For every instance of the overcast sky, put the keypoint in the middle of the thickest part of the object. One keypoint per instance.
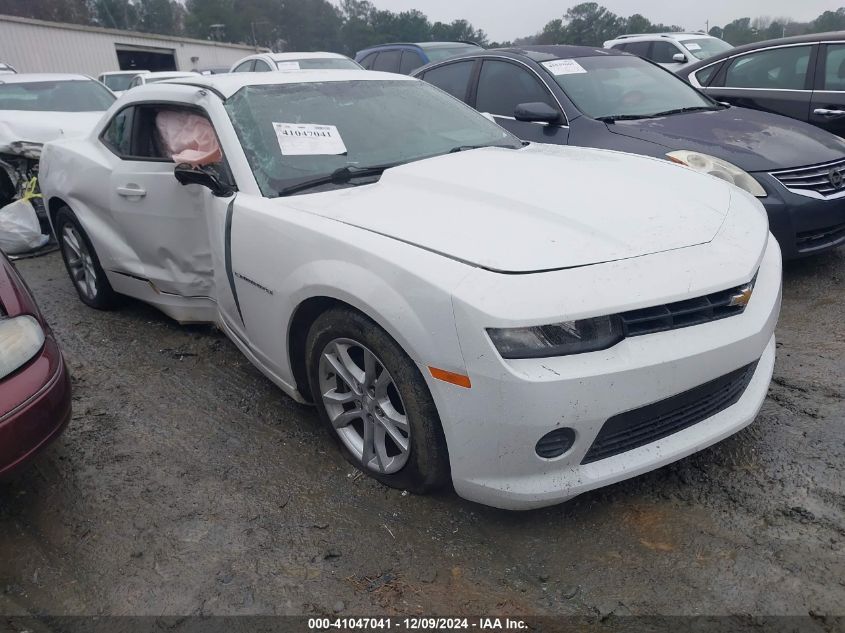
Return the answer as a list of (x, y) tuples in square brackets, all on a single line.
[(508, 19)]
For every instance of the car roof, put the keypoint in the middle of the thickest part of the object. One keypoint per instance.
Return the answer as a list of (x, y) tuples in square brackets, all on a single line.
[(281, 57), (540, 52), (170, 73), (443, 44), (672, 35), (834, 36), (228, 84), (421, 45), (124, 72), (33, 77)]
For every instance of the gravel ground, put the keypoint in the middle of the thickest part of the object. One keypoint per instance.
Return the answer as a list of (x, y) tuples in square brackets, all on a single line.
[(187, 483)]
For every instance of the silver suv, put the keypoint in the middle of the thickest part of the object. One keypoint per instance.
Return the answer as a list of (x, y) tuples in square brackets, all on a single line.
[(674, 51)]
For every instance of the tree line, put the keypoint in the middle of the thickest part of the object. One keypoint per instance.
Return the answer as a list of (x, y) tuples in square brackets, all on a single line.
[(590, 24), (355, 24)]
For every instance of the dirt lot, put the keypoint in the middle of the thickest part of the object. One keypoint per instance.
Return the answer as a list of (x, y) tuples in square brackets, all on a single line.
[(187, 484)]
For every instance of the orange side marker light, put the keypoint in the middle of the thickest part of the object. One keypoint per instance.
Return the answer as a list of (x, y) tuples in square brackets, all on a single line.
[(451, 377)]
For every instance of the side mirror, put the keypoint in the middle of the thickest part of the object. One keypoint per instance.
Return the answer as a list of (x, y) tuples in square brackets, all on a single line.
[(203, 176), (680, 58), (536, 113)]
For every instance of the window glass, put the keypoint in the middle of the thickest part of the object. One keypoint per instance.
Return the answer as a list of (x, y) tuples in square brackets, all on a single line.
[(261, 67), (388, 61), (411, 60), (118, 134), (503, 86), (84, 95), (775, 69), (638, 48), (706, 47), (245, 67), (834, 76), (704, 75), (368, 61), (453, 78), (118, 82), (438, 53), (663, 52), (380, 123), (625, 86)]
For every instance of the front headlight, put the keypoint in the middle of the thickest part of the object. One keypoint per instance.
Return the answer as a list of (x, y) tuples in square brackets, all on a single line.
[(558, 339), (20, 340), (719, 168)]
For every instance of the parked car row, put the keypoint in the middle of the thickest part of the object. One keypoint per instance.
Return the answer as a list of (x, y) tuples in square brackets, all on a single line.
[(506, 306), (591, 97)]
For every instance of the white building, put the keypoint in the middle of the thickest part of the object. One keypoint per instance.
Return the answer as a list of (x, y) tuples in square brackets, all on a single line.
[(40, 46)]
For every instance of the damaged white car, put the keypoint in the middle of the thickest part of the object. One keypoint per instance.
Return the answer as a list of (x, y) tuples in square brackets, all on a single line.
[(527, 322), (36, 108)]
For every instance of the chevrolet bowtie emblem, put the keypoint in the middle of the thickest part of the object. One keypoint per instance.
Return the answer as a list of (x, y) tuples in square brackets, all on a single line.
[(742, 297)]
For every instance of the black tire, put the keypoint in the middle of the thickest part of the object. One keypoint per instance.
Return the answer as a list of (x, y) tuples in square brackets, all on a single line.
[(427, 466), (103, 296)]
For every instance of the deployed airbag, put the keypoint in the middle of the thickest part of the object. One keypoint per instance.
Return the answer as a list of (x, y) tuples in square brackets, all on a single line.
[(188, 138)]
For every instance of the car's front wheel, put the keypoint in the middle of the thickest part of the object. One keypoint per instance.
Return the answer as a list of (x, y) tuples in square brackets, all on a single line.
[(82, 263), (372, 397)]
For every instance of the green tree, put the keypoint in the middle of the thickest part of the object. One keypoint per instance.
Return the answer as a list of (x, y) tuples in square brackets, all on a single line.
[(830, 21), (739, 32), (116, 14), (160, 16), (589, 24), (553, 33)]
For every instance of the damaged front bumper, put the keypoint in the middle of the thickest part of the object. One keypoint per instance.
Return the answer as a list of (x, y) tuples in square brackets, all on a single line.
[(19, 176)]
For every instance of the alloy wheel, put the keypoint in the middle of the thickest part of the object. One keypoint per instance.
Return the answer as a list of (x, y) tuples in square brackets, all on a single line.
[(364, 406), (79, 262)]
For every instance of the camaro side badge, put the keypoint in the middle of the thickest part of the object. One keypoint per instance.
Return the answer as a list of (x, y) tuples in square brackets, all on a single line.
[(254, 283), (743, 297)]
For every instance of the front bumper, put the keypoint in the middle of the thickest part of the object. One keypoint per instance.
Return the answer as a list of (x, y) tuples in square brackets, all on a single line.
[(37, 407), (493, 427), (803, 226)]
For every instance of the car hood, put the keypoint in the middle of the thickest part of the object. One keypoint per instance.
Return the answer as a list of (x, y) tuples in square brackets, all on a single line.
[(18, 126), (751, 140), (539, 208)]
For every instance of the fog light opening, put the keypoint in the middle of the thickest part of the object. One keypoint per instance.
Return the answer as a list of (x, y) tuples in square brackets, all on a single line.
[(555, 443)]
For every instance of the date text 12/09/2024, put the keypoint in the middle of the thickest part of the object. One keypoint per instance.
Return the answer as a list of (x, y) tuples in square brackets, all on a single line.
[(416, 624)]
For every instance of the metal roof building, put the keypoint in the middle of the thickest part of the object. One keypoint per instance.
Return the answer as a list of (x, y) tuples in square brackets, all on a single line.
[(39, 46)]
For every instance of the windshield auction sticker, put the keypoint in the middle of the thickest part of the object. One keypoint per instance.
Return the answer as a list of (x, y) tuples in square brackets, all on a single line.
[(308, 139), (564, 67), (287, 65), (692, 46)]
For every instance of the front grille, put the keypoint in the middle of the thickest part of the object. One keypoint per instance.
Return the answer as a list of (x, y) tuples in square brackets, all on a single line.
[(818, 181), (630, 430), (819, 238), (673, 316)]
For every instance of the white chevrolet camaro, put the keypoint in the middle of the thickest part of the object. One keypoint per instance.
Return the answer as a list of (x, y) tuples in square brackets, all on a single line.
[(527, 322)]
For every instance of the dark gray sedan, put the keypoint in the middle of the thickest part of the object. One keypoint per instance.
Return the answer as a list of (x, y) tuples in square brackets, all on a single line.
[(570, 95), (800, 77)]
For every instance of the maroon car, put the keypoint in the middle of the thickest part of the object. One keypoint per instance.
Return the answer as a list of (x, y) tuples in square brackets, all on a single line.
[(34, 382)]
